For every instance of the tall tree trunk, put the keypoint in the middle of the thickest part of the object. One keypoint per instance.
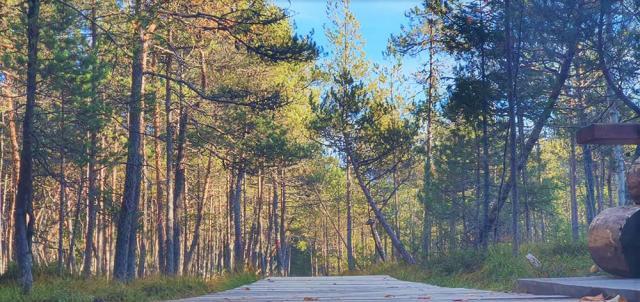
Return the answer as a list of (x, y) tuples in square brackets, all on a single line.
[(426, 187), (574, 201), (170, 252), (486, 172), (238, 252), (3, 195), (24, 218), (513, 143), (161, 251), (351, 264), (15, 173), (589, 183), (453, 213), (126, 227), (179, 194), (283, 226), (274, 219), (93, 171), (63, 194)]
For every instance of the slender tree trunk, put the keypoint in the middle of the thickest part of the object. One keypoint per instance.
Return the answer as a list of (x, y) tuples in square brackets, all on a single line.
[(618, 159), (513, 143), (599, 197), (3, 195), (75, 230), (426, 188), (574, 201), (161, 251), (275, 220), (376, 240), (406, 257), (199, 208), (63, 196), (179, 195), (15, 164), (524, 175), (351, 264), (237, 221), (283, 226), (126, 227), (486, 173), (453, 212), (609, 188), (24, 218), (171, 261), (589, 183), (93, 171)]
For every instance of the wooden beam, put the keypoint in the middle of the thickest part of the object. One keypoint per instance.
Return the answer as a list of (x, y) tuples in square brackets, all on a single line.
[(609, 134)]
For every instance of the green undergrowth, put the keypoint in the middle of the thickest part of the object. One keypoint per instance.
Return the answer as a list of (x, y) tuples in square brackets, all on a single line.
[(50, 287), (495, 269)]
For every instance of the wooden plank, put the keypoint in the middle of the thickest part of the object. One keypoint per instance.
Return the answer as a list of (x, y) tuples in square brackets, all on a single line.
[(609, 134), (583, 286), (360, 288)]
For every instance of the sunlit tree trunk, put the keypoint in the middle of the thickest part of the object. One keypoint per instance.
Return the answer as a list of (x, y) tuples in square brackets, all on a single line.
[(15, 173), (126, 226)]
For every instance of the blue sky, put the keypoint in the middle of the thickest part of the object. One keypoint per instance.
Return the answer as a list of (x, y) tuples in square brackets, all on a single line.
[(378, 20)]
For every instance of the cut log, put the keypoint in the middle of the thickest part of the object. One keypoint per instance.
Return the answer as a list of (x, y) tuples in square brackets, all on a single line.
[(613, 241)]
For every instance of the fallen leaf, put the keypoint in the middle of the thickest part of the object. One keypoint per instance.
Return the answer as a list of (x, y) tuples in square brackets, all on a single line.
[(617, 298), (424, 298), (598, 298), (246, 288), (310, 299), (460, 300), (388, 296)]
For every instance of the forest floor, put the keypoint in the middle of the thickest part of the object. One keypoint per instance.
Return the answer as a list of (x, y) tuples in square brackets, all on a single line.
[(497, 269), (49, 287)]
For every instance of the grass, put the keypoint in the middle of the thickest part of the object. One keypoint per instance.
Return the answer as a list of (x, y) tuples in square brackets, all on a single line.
[(48, 287), (497, 269)]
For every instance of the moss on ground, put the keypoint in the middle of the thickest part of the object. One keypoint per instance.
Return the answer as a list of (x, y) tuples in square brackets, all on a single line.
[(495, 269)]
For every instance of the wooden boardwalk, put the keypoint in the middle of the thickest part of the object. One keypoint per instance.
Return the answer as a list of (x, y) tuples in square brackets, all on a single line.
[(360, 288)]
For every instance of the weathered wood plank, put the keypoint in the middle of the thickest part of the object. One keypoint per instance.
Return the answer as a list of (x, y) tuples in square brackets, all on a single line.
[(609, 134), (360, 288)]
